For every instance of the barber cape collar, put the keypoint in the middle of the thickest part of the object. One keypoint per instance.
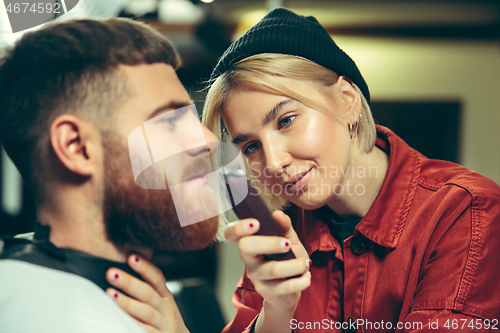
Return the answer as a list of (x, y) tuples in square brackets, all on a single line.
[(42, 252)]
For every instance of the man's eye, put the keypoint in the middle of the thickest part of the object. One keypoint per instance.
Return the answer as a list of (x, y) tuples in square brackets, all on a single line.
[(173, 116), (251, 148), (286, 121), (169, 120)]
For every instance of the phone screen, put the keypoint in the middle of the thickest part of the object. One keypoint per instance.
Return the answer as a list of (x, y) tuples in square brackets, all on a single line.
[(252, 206)]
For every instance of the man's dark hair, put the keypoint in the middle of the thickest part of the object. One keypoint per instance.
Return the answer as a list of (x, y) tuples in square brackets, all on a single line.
[(68, 67)]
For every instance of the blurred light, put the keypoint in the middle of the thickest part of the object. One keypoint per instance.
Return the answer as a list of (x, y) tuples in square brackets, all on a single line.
[(141, 7), (272, 4), (383, 13), (12, 187), (179, 11), (95, 9), (175, 287), (402, 13), (207, 1), (248, 20)]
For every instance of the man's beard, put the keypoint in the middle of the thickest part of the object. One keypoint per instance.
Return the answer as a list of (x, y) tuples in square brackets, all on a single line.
[(146, 218)]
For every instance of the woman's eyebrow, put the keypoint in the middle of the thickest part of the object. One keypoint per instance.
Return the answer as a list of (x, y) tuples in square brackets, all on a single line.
[(240, 138), (271, 115)]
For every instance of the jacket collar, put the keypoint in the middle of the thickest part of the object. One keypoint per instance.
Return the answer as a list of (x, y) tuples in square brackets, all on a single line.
[(384, 222)]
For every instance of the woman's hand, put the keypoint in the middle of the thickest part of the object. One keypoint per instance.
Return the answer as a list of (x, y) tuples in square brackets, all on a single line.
[(270, 277), (154, 307)]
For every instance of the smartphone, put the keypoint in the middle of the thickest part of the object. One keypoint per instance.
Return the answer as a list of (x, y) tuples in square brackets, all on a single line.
[(252, 206)]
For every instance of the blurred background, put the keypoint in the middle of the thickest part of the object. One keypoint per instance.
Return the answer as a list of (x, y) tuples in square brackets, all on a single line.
[(433, 69)]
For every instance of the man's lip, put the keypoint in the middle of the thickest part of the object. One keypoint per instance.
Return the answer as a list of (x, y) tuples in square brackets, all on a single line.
[(199, 178), (295, 178)]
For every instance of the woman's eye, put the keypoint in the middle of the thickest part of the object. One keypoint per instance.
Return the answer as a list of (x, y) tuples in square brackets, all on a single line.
[(286, 121), (251, 148)]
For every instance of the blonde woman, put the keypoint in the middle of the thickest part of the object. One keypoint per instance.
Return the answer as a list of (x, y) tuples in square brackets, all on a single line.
[(385, 239)]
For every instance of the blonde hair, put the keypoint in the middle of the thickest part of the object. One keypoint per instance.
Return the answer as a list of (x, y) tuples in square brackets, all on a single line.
[(265, 69)]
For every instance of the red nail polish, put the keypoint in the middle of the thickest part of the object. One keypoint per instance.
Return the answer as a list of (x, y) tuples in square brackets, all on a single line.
[(117, 276), (136, 259), (251, 225), (287, 244), (116, 295), (309, 263)]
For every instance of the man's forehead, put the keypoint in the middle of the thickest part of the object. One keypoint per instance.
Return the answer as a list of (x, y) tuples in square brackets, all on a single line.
[(153, 78), (152, 89)]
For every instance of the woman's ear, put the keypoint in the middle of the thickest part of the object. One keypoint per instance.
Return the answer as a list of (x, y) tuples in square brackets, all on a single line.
[(73, 141), (350, 96)]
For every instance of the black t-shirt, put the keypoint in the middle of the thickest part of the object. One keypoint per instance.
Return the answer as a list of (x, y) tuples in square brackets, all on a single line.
[(343, 230)]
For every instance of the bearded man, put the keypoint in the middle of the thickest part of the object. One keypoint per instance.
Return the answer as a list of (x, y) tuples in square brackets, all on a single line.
[(70, 96)]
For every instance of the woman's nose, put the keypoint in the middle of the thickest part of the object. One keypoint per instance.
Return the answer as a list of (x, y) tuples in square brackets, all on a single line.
[(210, 139), (277, 159)]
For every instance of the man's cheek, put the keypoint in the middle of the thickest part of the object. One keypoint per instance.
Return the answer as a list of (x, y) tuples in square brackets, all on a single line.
[(160, 138), (170, 150), (168, 135), (147, 174)]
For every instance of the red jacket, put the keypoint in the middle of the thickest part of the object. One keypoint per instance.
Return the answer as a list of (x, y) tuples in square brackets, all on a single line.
[(426, 257)]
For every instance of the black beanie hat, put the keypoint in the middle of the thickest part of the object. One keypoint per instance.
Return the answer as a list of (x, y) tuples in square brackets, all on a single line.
[(283, 31)]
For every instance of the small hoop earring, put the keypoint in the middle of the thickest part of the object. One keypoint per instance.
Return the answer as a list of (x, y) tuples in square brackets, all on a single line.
[(356, 123)]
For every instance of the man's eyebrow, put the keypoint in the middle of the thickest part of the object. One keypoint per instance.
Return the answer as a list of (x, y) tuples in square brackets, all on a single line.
[(172, 105), (270, 116)]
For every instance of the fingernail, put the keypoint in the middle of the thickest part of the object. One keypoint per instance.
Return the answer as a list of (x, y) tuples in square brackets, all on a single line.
[(136, 260), (249, 226), (285, 244), (116, 276), (308, 262), (309, 273), (113, 294)]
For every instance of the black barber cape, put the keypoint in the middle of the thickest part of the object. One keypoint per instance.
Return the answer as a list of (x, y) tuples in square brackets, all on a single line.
[(42, 252), (45, 289)]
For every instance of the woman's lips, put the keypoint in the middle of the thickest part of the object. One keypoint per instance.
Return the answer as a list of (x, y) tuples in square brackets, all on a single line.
[(299, 184)]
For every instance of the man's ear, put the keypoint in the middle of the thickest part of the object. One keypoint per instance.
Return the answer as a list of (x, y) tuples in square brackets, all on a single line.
[(351, 98), (73, 142)]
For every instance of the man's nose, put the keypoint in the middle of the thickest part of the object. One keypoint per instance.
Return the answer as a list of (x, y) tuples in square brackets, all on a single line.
[(209, 146)]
